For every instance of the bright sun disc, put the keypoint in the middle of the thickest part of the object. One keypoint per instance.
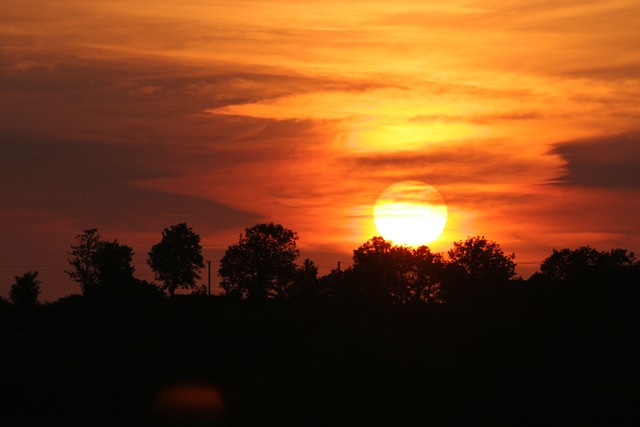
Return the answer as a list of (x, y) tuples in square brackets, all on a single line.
[(410, 213)]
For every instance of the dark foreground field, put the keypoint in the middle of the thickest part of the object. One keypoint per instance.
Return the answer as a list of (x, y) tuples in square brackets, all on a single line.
[(324, 363)]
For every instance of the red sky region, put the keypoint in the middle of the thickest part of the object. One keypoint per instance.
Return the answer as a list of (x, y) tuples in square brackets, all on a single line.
[(133, 116)]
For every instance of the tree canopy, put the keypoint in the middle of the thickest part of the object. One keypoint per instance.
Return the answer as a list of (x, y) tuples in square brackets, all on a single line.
[(114, 265), (85, 270), (399, 274), (104, 270), (482, 260), (177, 258), (25, 290), (262, 264), (100, 267), (306, 284), (587, 265)]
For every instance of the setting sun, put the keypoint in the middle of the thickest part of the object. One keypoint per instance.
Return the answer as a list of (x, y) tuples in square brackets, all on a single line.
[(410, 213)]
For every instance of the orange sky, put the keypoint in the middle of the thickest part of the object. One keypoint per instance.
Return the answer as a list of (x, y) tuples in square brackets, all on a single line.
[(130, 116)]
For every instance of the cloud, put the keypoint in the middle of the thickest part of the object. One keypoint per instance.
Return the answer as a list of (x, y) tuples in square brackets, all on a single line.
[(92, 185), (604, 162), (616, 70), (463, 163)]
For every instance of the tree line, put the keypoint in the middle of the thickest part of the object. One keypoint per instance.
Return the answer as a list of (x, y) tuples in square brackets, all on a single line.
[(263, 265)]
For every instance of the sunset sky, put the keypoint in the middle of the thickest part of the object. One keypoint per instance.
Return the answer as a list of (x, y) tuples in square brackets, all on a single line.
[(130, 116)]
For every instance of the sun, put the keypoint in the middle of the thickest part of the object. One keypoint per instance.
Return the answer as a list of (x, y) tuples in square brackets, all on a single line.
[(410, 213)]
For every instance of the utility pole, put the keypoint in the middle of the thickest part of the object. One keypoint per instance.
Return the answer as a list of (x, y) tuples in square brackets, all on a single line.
[(339, 265), (209, 276)]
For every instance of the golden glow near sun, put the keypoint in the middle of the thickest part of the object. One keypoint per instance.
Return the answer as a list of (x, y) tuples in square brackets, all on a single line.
[(410, 213)]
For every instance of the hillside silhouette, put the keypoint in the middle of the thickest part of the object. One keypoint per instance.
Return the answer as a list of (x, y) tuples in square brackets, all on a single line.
[(403, 337)]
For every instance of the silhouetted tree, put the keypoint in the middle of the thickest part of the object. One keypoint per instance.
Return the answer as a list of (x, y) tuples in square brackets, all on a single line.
[(380, 270), (105, 270), (333, 283), (429, 275), (569, 265), (177, 259), (25, 290), (84, 267), (587, 266), (262, 264), (398, 274), (305, 282), (482, 260), (201, 291), (113, 264)]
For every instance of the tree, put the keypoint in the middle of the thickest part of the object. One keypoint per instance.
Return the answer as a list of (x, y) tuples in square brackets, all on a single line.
[(429, 275), (334, 283), (587, 265), (177, 259), (569, 265), (398, 274), (24, 292), (380, 270), (113, 265), (482, 260), (105, 270), (586, 276), (306, 285), (262, 264), (84, 267)]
